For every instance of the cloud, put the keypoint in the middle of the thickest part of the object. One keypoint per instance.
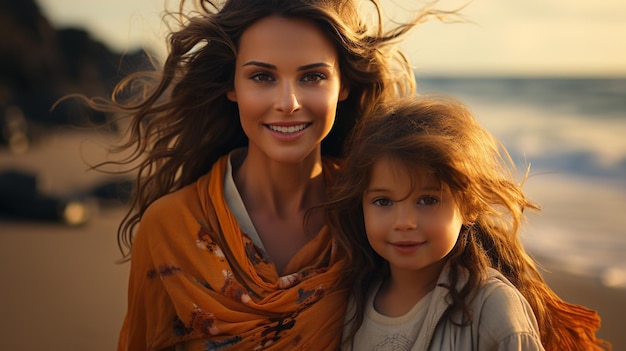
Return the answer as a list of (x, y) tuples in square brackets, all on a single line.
[(501, 37), (531, 36)]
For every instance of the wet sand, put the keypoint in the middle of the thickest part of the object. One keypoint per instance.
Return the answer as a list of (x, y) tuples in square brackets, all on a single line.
[(62, 288), (610, 303)]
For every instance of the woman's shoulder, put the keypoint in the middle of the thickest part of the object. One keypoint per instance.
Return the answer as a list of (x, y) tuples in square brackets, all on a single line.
[(172, 201), (176, 203), (191, 203), (171, 217)]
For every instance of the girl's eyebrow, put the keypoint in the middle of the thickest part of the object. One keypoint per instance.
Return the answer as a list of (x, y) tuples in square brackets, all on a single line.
[(375, 190), (301, 68), (424, 188)]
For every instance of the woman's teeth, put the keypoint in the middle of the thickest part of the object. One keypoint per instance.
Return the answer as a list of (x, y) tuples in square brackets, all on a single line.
[(288, 129)]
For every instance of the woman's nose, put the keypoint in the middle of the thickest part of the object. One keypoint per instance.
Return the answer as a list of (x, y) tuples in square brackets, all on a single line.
[(288, 101)]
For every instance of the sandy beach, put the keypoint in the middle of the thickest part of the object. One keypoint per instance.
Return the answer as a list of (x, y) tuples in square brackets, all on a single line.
[(62, 288), (610, 303)]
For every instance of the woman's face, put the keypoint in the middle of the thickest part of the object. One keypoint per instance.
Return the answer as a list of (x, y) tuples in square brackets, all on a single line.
[(287, 84)]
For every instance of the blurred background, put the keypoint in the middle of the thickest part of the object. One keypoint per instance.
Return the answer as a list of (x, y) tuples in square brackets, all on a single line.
[(547, 78)]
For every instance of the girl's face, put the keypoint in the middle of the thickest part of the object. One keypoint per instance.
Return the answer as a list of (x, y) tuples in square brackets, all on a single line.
[(287, 84), (411, 221)]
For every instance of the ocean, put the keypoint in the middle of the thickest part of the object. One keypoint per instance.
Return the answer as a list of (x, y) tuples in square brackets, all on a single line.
[(572, 133)]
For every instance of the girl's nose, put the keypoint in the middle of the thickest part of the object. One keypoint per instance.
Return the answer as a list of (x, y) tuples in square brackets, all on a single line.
[(288, 101), (405, 219)]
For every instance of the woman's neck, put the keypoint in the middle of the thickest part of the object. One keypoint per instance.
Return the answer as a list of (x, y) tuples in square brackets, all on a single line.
[(283, 188), (277, 197)]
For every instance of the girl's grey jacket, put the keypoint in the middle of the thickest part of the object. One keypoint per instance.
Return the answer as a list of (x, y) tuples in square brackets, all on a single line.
[(501, 320)]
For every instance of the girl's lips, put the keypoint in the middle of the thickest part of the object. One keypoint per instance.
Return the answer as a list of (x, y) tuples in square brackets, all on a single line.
[(407, 246)]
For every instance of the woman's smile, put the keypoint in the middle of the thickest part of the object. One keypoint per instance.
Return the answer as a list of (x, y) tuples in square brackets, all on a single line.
[(288, 129)]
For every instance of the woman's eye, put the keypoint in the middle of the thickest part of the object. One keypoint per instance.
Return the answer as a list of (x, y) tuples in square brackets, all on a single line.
[(382, 202), (427, 200), (262, 77), (313, 77)]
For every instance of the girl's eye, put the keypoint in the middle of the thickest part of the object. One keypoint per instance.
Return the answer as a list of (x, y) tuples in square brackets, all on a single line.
[(427, 201), (262, 77), (382, 202), (313, 77)]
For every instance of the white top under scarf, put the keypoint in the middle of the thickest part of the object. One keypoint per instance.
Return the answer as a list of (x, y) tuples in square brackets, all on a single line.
[(235, 203)]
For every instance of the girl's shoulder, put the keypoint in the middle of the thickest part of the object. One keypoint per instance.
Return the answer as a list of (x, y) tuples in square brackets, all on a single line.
[(498, 292), (504, 314)]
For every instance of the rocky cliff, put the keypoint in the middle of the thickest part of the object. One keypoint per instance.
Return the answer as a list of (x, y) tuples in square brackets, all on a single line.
[(40, 63)]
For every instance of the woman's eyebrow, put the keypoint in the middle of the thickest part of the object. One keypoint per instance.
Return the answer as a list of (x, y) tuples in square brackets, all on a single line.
[(313, 65), (273, 67), (260, 64)]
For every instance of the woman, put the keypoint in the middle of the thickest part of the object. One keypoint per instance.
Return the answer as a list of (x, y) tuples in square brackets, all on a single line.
[(236, 140)]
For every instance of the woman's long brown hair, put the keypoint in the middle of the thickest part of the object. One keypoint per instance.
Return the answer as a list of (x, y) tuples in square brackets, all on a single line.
[(180, 120)]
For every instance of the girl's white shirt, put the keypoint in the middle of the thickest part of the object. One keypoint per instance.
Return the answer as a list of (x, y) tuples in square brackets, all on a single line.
[(380, 332)]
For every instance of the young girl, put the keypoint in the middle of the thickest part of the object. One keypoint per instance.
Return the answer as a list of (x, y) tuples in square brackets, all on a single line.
[(235, 139), (428, 212)]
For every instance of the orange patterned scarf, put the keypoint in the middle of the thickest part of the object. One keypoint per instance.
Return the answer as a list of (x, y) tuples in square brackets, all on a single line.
[(198, 283)]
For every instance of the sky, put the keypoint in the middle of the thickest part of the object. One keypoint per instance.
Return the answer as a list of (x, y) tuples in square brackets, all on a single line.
[(510, 38)]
